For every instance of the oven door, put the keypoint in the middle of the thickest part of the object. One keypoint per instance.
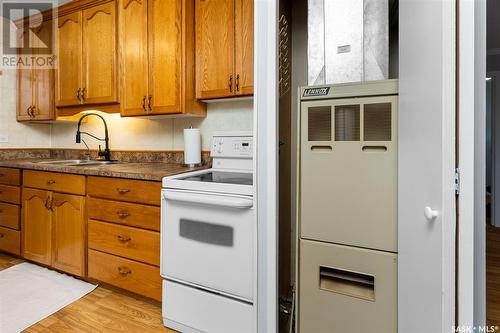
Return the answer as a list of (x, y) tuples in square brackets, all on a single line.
[(207, 240)]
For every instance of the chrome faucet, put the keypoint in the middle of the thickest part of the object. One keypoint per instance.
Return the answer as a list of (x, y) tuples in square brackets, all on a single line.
[(107, 152)]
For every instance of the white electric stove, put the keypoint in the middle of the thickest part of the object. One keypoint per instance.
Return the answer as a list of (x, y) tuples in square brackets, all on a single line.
[(209, 243)]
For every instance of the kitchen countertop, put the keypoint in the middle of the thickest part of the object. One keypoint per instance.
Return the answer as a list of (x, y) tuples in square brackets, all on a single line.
[(140, 171)]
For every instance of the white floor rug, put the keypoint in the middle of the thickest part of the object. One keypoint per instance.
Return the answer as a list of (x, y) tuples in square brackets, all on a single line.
[(29, 293)]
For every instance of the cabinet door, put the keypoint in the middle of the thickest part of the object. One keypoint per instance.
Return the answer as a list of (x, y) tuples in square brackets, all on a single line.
[(214, 48), (43, 80), (24, 83), (69, 233), (24, 93), (244, 47), (69, 71), (133, 30), (165, 55), (37, 226), (99, 54)]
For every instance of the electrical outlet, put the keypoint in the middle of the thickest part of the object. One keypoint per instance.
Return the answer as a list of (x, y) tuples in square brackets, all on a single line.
[(4, 138)]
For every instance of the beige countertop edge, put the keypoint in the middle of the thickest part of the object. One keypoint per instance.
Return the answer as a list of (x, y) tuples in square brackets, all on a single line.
[(139, 171)]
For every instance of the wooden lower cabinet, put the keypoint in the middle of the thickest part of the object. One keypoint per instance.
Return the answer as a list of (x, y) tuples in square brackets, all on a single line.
[(37, 226), (54, 230), (10, 240), (128, 274), (68, 215)]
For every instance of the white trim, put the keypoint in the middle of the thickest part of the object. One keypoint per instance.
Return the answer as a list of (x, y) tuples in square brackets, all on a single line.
[(465, 264), (471, 203), (266, 160)]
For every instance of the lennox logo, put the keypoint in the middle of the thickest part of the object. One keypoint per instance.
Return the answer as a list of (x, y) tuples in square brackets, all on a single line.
[(311, 92), (26, 43)]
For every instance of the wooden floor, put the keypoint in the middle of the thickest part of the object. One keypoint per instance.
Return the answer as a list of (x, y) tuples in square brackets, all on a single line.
[(493, 275), (103, 310)]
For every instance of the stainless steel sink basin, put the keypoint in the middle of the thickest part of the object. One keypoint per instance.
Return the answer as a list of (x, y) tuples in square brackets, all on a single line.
[(77, 162)]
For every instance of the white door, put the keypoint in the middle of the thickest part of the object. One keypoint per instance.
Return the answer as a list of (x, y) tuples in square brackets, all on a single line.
[(426, 270)]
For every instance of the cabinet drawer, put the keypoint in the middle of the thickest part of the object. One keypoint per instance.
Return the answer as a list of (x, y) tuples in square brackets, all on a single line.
[(10, 194), (133, 243), (136, 191), (9, 176), (9, 216), (147, 217), (139, 278), (10, 241), (58, 182)]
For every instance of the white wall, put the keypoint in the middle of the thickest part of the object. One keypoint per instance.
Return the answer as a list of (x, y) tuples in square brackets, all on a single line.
[(20, 135), (125, 133), (158, 134)]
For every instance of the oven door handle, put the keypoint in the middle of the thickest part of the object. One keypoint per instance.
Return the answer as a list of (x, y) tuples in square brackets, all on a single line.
[(208, 199)]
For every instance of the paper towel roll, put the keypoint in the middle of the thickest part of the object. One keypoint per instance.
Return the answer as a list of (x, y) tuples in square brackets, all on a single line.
[(192, 146)]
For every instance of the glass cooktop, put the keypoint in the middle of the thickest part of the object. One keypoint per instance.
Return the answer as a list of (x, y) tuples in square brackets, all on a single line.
[(238, 178)]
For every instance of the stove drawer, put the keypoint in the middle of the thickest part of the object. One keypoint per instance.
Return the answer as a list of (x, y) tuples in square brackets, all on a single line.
[(131, 275), (204, 311), (128, 242)]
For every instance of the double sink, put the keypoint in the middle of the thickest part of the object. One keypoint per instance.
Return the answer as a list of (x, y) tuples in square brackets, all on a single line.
[(78, 162)]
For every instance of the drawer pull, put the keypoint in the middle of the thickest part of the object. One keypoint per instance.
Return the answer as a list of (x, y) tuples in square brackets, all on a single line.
[(124, 271), (123, 190), (123, 239), (2, 175), (123, 215), (51, 182), (2, 236)]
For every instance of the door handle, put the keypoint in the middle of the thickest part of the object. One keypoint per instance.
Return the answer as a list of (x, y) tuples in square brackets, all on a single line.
[(78, 94), (237, 82), (144, 103), (231, 83), (83, 94), (430, 214), (208, 199)]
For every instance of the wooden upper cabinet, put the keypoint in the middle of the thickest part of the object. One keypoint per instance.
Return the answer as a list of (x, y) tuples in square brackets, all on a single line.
[(69, 71), (99, 54), (133, 36), (224, 48), (215, 26), (165, 55), (87, 55), (69, 233), (157, 58), (35, 94), (244, 46), (37, 226)]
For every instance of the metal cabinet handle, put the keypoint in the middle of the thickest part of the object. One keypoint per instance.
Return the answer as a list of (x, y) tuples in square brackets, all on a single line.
[(231, 83), (144, 103), (123, 190), (51, 182), (124, 271), (83, 94), (78, 94), (123, 239), (150, 107), (237, 82), (2, 236), (123, 215)]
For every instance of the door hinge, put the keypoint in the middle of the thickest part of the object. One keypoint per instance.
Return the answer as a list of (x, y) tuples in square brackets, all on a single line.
[(457, 181)]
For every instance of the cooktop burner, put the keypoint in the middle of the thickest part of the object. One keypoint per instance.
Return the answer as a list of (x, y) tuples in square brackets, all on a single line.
[(238, 178)]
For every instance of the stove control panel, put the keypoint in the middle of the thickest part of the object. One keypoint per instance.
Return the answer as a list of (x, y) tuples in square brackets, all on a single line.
[(232, 146)]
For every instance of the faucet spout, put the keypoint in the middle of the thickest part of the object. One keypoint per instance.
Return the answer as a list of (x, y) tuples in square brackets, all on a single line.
[(107, 152)]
